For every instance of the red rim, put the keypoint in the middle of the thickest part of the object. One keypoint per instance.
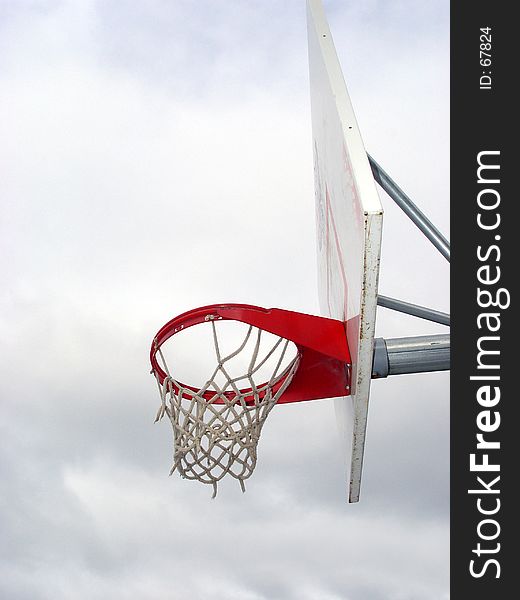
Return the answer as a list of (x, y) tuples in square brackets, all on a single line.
[(321, 345)]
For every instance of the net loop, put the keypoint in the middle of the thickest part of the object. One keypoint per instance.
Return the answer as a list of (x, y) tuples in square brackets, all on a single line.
[(216, 429)]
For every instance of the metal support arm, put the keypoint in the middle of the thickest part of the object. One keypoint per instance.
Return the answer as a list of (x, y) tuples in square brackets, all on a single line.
[(419, 354), (414, 309), (410, 209)]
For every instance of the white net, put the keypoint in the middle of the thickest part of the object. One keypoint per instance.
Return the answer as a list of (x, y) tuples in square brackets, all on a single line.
[(216, 428)]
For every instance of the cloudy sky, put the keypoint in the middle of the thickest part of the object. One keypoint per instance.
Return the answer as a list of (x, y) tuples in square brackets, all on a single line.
[(155, 157)]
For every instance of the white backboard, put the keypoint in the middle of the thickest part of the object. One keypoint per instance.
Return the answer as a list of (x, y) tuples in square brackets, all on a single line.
[(349, 219)]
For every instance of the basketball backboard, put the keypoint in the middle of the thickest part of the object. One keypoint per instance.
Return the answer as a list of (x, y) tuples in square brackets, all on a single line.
[(349, 219)]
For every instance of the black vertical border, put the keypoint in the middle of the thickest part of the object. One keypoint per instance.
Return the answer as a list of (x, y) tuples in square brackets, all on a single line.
[(482, 120)]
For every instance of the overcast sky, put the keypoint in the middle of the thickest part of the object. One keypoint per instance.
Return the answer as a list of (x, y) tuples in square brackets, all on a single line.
[(155, 157)]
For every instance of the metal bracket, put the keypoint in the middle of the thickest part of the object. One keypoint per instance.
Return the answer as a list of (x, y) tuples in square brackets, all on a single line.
[(420, 354)]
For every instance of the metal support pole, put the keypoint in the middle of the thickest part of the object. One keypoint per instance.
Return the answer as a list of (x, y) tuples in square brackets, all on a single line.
[(410, 209), (419, 354), (414, 309)]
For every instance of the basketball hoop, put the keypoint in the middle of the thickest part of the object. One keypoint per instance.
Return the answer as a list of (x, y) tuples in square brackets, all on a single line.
[(217, 426)]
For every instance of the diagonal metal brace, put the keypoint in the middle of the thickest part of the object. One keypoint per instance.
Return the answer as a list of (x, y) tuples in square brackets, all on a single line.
[(410, 209), (414, 309)]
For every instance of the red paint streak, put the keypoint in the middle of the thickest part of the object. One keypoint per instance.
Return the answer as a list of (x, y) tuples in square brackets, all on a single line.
[(330, 218)]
